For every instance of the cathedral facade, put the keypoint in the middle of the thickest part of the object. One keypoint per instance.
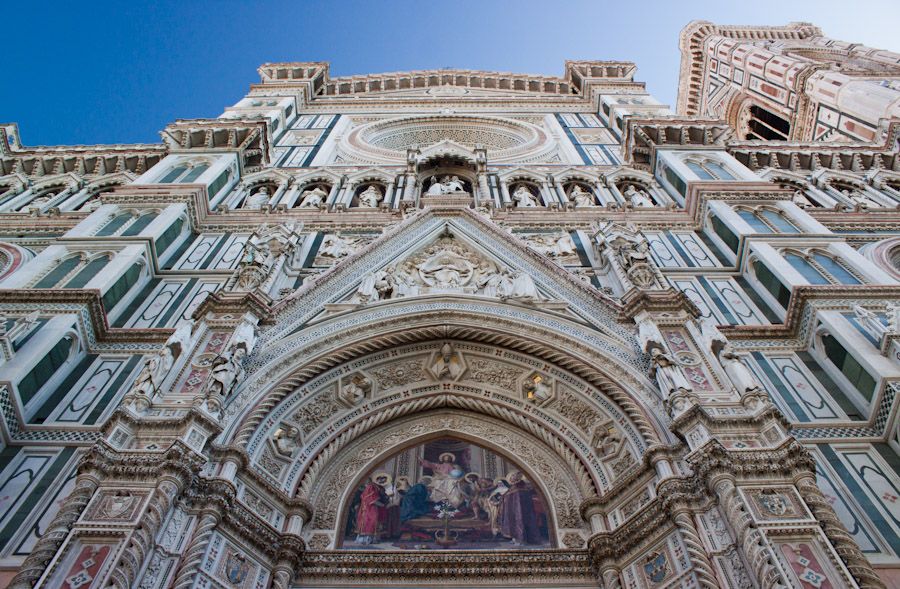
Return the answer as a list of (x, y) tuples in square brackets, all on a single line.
[(469, 329)]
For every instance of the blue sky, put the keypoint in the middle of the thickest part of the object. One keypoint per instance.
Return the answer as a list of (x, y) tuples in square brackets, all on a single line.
[(111, 72)]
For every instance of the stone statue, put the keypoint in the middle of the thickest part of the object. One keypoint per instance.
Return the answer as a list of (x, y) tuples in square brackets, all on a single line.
[(286, 440), (226, 371), (404, 286), (524, 198), (555, 245), (453, 184), (869, 321), (435, 188), (637, 198), (258, 200), (668, 373), (740, 376), (649, 335), (157, 366), (335, 246), (370, 197), (244, 335), (254, 267), (314, 198), (581, 197), (375, 286), (713, 340), (446, 269), (519, 286)]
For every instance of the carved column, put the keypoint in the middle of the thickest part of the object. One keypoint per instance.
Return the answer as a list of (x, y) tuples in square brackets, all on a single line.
[(36, 562), (143, 538), (837, 534), (196, 548), (703, 568), (750, 538)]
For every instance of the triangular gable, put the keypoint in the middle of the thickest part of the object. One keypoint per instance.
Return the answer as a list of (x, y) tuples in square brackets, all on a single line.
[(338, 284)]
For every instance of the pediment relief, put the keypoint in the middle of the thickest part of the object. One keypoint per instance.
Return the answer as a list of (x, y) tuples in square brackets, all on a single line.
[(449, 265)]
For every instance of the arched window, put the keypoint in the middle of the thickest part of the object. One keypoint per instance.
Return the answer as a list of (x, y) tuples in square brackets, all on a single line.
[(709, 170), (771, 283), (719, 171), (700, 171), (809, 272), (836, 271), (173, 174), (777, 221), (114, 225), (184, 173), (90, 270), (54, 276), (766, 125), (755, 222), (139, 224)]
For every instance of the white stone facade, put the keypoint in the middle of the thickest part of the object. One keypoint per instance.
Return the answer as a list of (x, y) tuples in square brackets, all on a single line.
[(608, 345)]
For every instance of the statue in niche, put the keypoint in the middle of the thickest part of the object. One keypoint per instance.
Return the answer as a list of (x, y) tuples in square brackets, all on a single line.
[(740, 376), (581, 198), (157, 366), (801, 201), (453, 184), (226, 371), (668, 374), (524, 197), (435, 188), (370, 197), (258, 200), (286, 440), (605, 439), (637, 197), (870, 322), (313, 199), (447, 363)]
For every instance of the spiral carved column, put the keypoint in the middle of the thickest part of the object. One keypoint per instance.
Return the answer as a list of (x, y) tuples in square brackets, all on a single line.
[(750, 538), (143, 538), (36, 563), (837, 534), (193, 555), (706, 575)]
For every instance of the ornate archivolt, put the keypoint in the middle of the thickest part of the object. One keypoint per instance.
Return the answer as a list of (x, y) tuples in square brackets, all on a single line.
[(589, 432), (388, 324), (506, 140)]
